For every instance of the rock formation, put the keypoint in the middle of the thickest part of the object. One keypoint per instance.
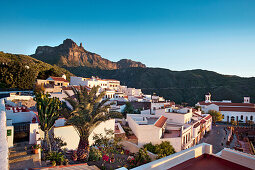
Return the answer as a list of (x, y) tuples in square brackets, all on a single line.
[(69, 54)]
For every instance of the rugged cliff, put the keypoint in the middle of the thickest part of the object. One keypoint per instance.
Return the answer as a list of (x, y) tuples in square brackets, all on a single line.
[(69, 54)]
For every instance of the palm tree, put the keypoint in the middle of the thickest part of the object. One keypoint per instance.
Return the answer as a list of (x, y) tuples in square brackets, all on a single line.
[(48, 113), (87, 111)]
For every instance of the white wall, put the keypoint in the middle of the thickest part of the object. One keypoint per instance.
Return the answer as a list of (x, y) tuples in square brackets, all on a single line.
[(144, 133), (240, 158), (71, 137), (77, 81), (177, 158), (175, 142), (32, 134), (237, 114), (3, 138), (17, 97)]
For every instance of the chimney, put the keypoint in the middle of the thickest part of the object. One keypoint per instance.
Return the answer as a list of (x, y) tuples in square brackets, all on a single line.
[(246, 99), (81, 45)]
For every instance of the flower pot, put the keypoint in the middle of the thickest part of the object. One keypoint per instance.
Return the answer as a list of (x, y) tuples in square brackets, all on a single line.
[(36, 151)]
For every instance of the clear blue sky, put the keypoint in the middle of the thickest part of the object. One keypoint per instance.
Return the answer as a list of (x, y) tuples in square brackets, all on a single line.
[(217, 35)]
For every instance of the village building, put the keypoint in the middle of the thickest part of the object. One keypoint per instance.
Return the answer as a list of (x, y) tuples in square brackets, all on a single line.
[(183, 128), (241, 112), (53, 84)]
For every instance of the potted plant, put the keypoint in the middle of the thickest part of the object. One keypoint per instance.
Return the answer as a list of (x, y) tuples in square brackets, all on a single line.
[(36, 148)]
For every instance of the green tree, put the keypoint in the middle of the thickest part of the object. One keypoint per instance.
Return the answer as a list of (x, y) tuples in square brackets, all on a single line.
[(129, 109), (48, 113), (87, 111), (216, 116)]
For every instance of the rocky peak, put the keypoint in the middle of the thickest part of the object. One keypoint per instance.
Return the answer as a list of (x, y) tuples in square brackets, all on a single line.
[(68, 43), (71, 55)]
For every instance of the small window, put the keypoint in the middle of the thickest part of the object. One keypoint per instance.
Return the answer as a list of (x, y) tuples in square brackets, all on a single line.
[(241, 117), (251, 118)]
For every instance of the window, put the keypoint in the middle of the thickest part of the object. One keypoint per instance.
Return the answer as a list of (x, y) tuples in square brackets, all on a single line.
[(223, 116), (251, 118), (241, 117)]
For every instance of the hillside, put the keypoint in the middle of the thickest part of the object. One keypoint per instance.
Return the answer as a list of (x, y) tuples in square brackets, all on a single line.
[(181, 86), (20, 71), (71, 55)]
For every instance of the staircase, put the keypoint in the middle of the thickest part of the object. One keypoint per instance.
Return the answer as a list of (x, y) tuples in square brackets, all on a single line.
[(21, 157)]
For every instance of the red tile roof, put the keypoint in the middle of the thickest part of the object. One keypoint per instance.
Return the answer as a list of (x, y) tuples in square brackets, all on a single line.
[(208, 117), (202, 121), (237, 109), (59, 79), (161, 121), (229, 104), (196, 125)]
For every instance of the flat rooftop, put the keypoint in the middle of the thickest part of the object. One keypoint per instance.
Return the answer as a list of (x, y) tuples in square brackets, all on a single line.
[(208, 162)]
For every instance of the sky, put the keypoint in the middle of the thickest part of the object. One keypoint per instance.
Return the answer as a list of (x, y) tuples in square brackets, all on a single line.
[(216, 35)]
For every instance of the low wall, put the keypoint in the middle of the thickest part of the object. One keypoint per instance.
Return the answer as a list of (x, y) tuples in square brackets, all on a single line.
[(3, 138), (177, 158), (240, 158), (19, 97), (134, 149)]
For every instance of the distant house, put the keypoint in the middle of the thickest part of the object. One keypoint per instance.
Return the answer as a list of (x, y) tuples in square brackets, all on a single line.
[(241, 112), (53, 84)]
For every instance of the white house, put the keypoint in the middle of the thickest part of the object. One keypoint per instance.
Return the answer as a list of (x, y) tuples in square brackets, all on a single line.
[(241, 112), (69, 134), (183, 128)]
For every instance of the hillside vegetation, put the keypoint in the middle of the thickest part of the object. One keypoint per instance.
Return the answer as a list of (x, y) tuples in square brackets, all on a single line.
[(181, 86), (20, 71)]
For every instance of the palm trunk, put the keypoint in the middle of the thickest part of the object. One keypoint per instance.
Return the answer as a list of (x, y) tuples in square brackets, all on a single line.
[(46, 137), (83, 149)]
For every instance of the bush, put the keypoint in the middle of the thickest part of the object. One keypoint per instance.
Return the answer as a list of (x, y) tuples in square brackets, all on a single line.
[(162, 150), (58, 157), (94, 154), (150, 147), (142, 157)]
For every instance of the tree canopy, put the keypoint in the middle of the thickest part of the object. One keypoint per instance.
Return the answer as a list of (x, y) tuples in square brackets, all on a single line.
[(216, 116)]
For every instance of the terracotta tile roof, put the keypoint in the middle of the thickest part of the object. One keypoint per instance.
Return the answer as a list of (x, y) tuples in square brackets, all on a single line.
[(161, 121), (196, 125), (202, 121), (237, 109), (197, 114), (59, 79), (229, 104), (208, 117)]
